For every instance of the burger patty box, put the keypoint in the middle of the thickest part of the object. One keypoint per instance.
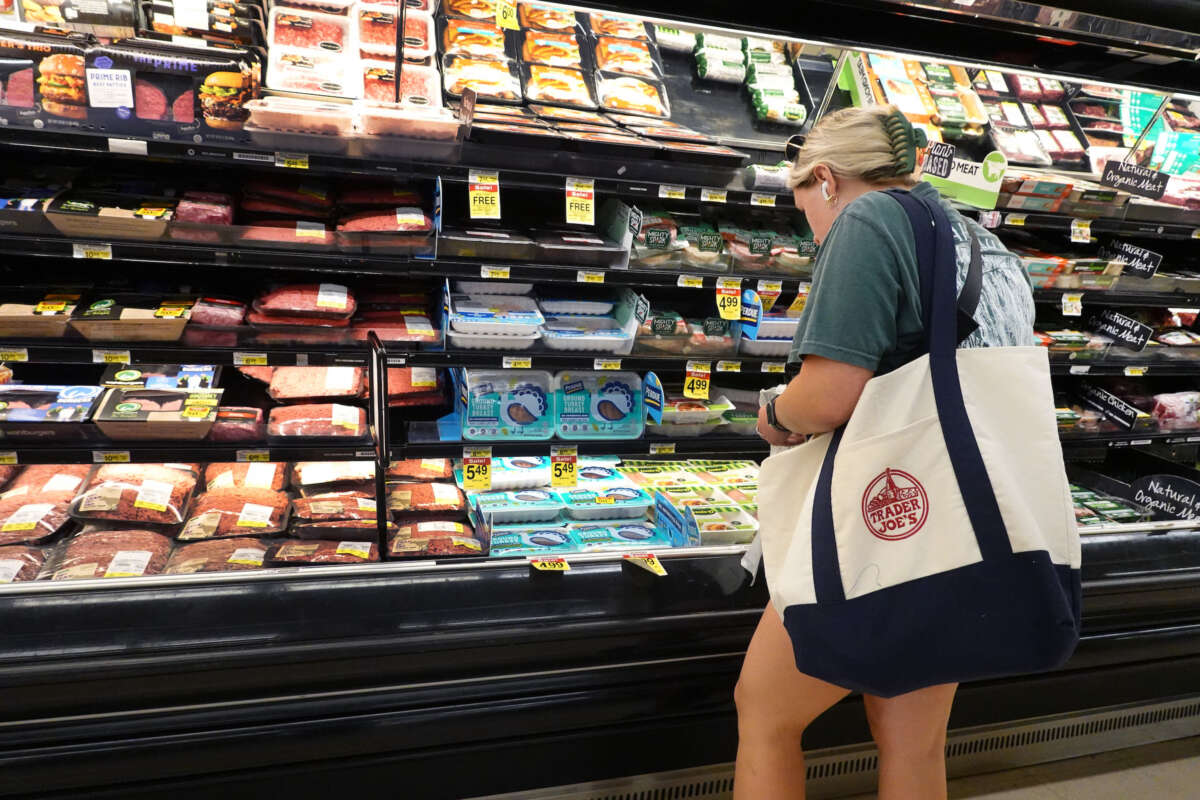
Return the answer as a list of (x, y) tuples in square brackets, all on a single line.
[(131, 317), (193, 93), (99, 215), (133, 414), (48, 413), (108, 19), (36, 313), (161, 376), (42, 81)]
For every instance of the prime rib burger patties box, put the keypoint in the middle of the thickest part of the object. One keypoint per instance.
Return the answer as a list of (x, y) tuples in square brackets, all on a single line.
[(42, 81), (193, 93)]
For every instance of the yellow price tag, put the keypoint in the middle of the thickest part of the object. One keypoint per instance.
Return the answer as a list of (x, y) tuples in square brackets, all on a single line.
[(292, 160), (662, 448), (666, 192), (110, 457), (1014, 220), (50, 308), (506, 14), (477, 468), (647, 561), (583, 276), (714, 196), (102, 252), (196, 412), (764, 200), (483, 191), (253, 456), (1072, 305), (111, 357), (768, 293), (800, 300), (8, 458), (494, 273), (581, 201), (600, 364), (514, 362), (774, 366), (250, 359), (1136, 372), (729, 366), (1196, 233), (16, 354), (170, 312), (690, 282), (550, 564), (1081, 231), (696, 381), (729, 298), (564, 460)]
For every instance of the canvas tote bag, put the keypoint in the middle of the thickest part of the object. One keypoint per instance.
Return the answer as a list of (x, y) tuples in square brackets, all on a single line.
[(931, 539)]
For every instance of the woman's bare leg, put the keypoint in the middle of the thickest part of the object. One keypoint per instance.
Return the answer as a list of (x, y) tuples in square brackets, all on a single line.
[(775, 703), (910, 730)]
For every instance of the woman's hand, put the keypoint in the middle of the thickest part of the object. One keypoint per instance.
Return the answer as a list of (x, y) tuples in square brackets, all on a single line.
[(775, 436)]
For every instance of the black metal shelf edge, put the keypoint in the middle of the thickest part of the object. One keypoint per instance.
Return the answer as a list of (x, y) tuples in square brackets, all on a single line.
[(1118, 297), (718, 446), (1077, 441), (1019, 220), (72, 352), (564, 273), (101, 452), (1125, 368), (492, 359)]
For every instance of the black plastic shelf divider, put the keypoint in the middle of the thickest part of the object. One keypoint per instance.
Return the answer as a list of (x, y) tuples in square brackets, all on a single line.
[(1111, 439), (491, 359), (1125, 368), (1061, 223), (58, 351), (105, 452), (1119, 297), (692, 447)]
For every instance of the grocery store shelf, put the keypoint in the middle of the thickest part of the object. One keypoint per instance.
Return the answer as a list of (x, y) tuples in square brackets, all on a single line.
[(556, 360), (683, 278), (58, 351), (1111, 439), (1061, 223), (1127, 368), (692, 447), (140, 452), (1119, 297)]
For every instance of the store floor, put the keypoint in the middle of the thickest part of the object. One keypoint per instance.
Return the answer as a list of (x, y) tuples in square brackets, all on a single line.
[(1164, 771)]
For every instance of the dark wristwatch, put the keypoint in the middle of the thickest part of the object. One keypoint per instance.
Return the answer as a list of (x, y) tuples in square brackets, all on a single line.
[(773, 420)]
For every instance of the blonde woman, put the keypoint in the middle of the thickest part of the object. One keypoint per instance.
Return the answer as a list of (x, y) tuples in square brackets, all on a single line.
[(863, 318)]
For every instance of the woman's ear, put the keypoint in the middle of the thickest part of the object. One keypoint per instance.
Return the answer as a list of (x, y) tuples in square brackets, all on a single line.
[(824, 175)]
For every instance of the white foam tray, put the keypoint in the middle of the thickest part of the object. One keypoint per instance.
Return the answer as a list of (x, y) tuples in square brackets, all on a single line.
[(492, 341), (560, 305), (492, 287), (517, 315), (765, 347), (777, 326)]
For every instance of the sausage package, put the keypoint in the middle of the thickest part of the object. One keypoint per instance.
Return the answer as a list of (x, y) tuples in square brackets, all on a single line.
[(558, 86), (630, 94), (145, 494)]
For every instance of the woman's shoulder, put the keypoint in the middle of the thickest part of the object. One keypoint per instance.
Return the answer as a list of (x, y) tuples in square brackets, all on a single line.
[(881, 212)]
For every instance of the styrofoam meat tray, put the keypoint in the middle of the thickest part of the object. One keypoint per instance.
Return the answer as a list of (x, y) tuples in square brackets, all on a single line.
[(673, 430), (526, 505), (579, 334), (492, 341), (680, 410), (777, 326), (614, 502), (511, 315), (563, 305), (766, 347), (492, 287)]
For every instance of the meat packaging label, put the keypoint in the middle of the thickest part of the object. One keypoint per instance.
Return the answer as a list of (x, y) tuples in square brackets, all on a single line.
[(366, 504), (104, 497), (110, 88), (62, 483), (223, 481), (444, 494), (128, 564), (26, 518), (76, 571), (9, 567), (423, 377), (322, 508), (360, 549), (332, 296), (254, 516), (251, 556), (261, 476), (154, 495), (201, 527), (340, 380), (345, 417)]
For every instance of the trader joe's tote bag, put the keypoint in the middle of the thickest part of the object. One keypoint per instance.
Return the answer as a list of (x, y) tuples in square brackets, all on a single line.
[(931, 539)]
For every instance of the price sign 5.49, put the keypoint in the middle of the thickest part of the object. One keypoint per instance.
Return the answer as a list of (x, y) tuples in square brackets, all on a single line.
[(563, 461), (477, 468)]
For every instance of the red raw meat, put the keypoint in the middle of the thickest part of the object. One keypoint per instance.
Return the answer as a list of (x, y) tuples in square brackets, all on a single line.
[(303, 299), (33, 522), (322, 552), (301, 192), (145, 493), (421, 84), (341, 530), (206, 208), (238, 424), (124, 553), (390, 220), (7, 473), (379, 196), (317, 419), (217, 312), (263, 374), (20, 563), (184, 108), (45, 483), (149, 102), (259, 318), (316, 383), (296, 29), (259, 205), (421, 468), (218, 555), (321, 509), (286, 232), (18, 91), (237, 511)]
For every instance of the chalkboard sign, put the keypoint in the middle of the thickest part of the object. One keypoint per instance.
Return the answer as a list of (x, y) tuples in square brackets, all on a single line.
[(1131, 178), (1112, 407), (939, 159), (1139, 261), (1167, 496), (1125, 330)]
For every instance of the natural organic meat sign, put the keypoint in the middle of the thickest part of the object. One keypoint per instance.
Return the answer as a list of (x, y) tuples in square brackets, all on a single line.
[(895, 505)]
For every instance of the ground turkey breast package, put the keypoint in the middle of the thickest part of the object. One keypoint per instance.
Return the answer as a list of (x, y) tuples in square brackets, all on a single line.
[(128, 553), (260, 475), (322, 552), (219, 555), (143, 493), (290, 384), (20, 563), (317, 420), (237, 511), (308, 300)]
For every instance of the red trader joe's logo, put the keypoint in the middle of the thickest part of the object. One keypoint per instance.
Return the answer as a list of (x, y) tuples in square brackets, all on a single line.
[(895, 505)]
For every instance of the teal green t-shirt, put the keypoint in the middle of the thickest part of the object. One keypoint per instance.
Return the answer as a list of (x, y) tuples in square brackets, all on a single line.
[(864, 307)]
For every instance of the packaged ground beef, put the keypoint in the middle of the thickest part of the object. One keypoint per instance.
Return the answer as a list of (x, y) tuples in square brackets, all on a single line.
[(7, 473), (237, 511), (34, 522), (296, 553), (238, 424), (317, 420), (328, 473), (434, 538), (325, 509), (425, 498), (19, 563), (218, 555), (415, 386), (291, 384), (260, 475), (364, 489), (304, 192), (152, 494), (44, 483), (365, 530), (308, 300), (293, 323), (219, 313), (121, 553), (421, 469)]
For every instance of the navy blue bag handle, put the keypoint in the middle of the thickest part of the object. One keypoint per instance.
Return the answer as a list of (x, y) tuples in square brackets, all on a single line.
[(937, 259)]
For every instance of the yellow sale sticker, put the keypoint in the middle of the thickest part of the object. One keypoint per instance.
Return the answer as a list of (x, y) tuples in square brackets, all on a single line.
[(696, 380), (647, 561), (550, 564), (506, 14), (581, 201), (564, 466), (477, 468), (483, 191)]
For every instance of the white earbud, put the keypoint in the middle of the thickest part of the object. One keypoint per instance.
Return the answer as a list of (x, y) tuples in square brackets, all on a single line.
[(825, 195)]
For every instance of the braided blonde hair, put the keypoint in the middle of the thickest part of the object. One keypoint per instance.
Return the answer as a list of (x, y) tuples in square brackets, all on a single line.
[(853, 143)]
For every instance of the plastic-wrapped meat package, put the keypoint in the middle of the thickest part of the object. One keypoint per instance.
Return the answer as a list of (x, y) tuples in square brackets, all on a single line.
[(425, 498), (257, 319), (414, 386), (388, 220), (329, 300), (630, 56), (237, 511), (396, 328), (421, 469), (553, 49), (1027, 88), (357, 489), (621, 27), (303, 233), (16, 89), (256, 475), (377, 32), (217, 555), (558, 85), (308, 30), (434, 538), (311, 72), (301, 192), (44, 483), (494, 80), (385, 195), (128, 553), (274, 207), (33, 523), (470, 9), (327, 509), (218, 313), (307, 552), (341, 529), (317, 420), (19, 563), (7, 473), (290, 384), (307, 474), (205, 208), (1177, 411), (419, 85), (472, 38), (141, 493), (238, 424), (262, 374), (631, 94)]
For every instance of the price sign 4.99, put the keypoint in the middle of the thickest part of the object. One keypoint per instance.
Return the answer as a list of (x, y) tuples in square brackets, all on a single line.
[(477, 468), (696, 381)]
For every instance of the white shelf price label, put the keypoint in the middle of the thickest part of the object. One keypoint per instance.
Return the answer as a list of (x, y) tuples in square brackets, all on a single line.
[(516, 362), (714, 196), (729, 298), (990, 219), (110, 456), (494, 273), (101, 252), (774, 366), (8, 458), (662, 449), (690, 282), (697, 379), (729, 366), (291, 160), (253, 456), (477, 468), (584, 276), (581, 201), (666, 192), (647, 561), (129, 147), (768, 293), (1136, 372), (250, 359), (483, 193), (14, 354), (1196, 233), (1072, 304), (563, 461), (1081, 231), (601, 364), (111, 357), (1015, 220), (762, 200), (1080, 369)]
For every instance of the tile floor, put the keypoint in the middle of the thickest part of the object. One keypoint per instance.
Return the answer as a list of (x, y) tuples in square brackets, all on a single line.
[(1165, 771)]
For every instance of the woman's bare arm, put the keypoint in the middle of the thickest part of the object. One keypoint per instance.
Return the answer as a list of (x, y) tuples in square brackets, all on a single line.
[(822, 396)]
